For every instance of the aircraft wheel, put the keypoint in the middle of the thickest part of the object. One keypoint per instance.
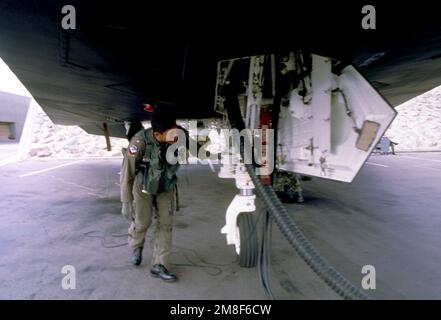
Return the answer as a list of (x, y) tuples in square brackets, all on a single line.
[(248, 240)]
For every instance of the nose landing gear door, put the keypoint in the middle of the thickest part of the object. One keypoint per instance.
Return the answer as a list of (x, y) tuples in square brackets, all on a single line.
[(331, 123)]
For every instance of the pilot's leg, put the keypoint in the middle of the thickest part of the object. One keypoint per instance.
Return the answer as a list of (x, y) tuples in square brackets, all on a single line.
[(163, 237), (142, 220)]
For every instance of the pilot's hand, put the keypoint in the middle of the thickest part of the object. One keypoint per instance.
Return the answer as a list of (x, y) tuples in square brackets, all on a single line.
[(127, 210)]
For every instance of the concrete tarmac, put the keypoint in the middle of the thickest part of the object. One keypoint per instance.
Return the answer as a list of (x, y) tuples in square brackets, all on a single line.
[(67, 212)]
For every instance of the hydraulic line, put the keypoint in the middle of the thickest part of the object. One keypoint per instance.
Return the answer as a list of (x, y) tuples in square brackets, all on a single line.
[(286, 224)]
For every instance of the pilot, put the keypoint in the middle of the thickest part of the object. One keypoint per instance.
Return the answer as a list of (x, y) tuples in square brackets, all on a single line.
[(148, 188)]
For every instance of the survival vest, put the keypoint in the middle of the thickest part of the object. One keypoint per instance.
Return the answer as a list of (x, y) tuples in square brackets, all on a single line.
[(159, 175)]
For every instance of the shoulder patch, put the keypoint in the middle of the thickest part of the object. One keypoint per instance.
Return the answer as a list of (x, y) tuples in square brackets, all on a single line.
[(133, 149)]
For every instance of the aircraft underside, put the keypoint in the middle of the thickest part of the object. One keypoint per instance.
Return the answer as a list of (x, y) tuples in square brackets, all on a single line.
[(325, 85), (120, 57)]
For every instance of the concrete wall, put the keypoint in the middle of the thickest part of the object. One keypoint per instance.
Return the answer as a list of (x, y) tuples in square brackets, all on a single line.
[(13, 110)]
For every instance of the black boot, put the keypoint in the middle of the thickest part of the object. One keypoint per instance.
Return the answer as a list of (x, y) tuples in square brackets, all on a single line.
[(159, 271), (137, 256)]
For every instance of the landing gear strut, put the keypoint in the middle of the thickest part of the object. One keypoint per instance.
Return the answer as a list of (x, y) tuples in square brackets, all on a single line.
[(240, 226)]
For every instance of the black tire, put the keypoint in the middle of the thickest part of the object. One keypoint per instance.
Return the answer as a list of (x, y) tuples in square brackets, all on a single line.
[(248, 240)]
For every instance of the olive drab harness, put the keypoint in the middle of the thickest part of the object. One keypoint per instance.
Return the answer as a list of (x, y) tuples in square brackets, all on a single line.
[(159, 175)]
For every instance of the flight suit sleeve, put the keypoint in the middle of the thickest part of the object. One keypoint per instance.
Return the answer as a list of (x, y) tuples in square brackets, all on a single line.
[(133, 155)]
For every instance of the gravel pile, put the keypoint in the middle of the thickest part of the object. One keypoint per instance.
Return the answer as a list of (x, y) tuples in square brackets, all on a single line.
[(55, 141), (417, 126)]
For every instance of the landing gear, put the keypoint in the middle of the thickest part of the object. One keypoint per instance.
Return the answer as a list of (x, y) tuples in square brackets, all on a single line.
[(240, 227), (248, 240)]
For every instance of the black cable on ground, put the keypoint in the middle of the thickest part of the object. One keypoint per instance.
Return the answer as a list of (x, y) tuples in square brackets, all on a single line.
[(105, 243), (211, 268), (265, 256)]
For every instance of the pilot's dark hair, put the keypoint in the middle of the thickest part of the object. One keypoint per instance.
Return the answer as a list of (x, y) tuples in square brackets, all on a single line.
[(163, 120), (135, 127)]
